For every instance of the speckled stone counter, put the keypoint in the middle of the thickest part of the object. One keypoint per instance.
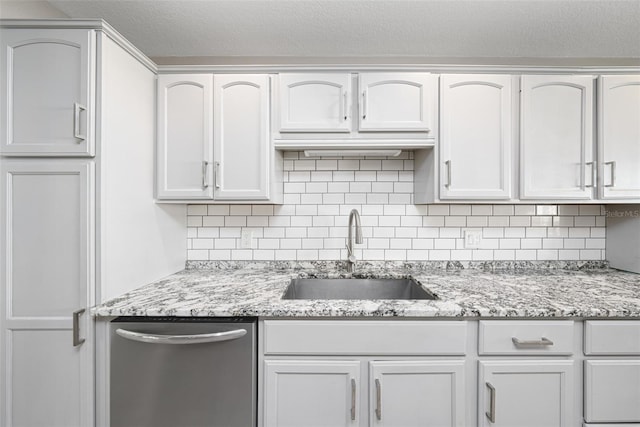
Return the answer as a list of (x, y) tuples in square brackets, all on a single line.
[(582, 290)]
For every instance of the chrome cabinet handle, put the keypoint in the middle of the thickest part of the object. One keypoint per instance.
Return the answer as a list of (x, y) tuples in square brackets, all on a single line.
[(492, 403), (353, 399), (345, 106), (364, 105), (613, 174), (448, 164), (593, 172), (181, 339), (217, 174), (205, 167), (77, 341), (378, 400), (542, 342), (76, 120)]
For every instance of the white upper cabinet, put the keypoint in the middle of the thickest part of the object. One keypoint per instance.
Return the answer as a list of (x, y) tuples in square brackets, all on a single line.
[(556, 150), (394, 102), (185, 137), (475, 136), (242, 149), (46, 92), (619, 138), (315, 102)]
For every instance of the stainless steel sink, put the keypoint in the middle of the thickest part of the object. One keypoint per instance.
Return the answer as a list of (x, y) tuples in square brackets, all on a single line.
[(363, 289)]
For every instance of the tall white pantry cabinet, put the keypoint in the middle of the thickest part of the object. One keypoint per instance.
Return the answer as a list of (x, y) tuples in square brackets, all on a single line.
[(78, 220)]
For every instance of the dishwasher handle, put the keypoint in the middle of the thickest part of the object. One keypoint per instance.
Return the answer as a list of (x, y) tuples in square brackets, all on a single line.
[(181, 339)]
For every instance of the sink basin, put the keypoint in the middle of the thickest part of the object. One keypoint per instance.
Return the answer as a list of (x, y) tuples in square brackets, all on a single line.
[(363, 289)]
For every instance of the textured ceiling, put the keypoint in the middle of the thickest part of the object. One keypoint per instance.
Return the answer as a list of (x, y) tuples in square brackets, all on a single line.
[(336, 28)]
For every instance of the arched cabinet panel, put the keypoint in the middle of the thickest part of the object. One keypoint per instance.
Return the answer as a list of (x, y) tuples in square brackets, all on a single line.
[(475, 136), (556, 142), (47, 105)]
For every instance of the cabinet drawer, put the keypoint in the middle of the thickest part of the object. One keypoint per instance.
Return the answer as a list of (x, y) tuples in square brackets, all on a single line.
[(339, 337), (525, 337), (612, 391), (612, 337)]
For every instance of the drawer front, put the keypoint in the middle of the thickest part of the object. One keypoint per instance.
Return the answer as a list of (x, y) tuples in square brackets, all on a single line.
[(612, 337), (340, 337), (612, 391), (507, 337)]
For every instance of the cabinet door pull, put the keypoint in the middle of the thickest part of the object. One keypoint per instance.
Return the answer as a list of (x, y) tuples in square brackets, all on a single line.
[(353, 399), (217, 174), (448, 164), (542, 342), (205, 167), (364, 105), (613, 174), (593, 173), (378, 400), (492, 403), (76, 120), (77, 341), (344, 105)]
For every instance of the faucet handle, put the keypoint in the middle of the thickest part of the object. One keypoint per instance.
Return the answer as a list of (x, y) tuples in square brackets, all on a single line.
[(352, 258)]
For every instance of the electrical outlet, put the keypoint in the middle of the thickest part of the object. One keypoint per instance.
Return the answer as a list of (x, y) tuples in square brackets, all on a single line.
[(246, 241), (472, 239)]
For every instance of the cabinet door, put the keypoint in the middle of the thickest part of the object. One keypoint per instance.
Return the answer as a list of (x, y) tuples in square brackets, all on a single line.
[(46, 90), (532, 393), (619, 138), (556, 137), (185, 137), (475, 136), (314, 393), (417, 393), (315, 102), (394, 102), (241, 137), (612, 391), (47, 264)]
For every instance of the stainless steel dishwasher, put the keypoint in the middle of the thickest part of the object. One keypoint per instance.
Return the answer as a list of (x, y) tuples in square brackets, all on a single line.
[(180, 372)]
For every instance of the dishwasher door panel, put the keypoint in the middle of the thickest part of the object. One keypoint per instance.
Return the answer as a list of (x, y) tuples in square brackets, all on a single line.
[(183, 385)]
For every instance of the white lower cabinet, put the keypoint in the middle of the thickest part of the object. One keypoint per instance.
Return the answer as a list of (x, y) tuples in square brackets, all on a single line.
[(312, 393), (416, 393), (612, 383), (331, 393), (519, 393), (47, 245), (612, 391)]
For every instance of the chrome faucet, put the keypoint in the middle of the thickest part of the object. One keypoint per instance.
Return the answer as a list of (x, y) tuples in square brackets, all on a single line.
[(351, 258)]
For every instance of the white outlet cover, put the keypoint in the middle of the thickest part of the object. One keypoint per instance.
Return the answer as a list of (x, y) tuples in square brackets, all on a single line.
[(246, 240), (472, 238)]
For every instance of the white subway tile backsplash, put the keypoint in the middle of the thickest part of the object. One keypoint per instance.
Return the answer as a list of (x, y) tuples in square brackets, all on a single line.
[(320, 193)]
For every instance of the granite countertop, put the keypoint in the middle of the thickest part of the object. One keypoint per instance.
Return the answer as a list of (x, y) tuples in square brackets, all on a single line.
[(480, 290)]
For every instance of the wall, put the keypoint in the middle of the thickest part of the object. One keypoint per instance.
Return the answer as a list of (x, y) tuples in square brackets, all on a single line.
[(29, 10), (320, 193)]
